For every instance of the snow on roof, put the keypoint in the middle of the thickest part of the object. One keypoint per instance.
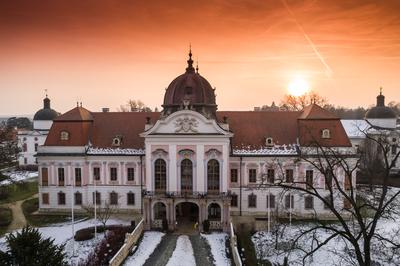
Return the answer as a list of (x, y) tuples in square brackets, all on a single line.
[(274, 150), (116, 151), (355, 128)]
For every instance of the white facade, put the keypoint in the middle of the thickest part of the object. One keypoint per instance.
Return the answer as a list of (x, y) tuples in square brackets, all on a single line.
[(28, 143)]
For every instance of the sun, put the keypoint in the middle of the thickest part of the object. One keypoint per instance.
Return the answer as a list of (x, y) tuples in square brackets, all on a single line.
[(298, 87)]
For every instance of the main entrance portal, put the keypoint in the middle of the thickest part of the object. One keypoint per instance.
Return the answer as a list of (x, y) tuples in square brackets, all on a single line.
[(187, 217)]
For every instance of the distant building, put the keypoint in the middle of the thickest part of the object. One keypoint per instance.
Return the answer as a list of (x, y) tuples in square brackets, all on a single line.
[(30, 140), (379, 121)]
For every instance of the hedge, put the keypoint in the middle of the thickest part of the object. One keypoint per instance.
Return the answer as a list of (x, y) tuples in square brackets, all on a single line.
[(5, 216)]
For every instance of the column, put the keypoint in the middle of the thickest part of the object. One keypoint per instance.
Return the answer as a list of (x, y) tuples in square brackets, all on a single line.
[(172, 176), (200, 176), (225, 161)]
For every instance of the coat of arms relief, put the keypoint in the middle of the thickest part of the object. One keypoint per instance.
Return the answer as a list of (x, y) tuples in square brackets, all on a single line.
[(186, 125)]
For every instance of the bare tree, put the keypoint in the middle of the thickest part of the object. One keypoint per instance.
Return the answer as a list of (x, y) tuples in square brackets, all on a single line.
[(298, 103), (134, 106), (103, 211), (357, 212)]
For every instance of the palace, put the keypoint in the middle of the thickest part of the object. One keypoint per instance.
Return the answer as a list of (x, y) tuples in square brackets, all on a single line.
[(189, 161)]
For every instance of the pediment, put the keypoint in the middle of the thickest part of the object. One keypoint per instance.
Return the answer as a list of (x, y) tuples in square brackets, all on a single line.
[(186, 122)]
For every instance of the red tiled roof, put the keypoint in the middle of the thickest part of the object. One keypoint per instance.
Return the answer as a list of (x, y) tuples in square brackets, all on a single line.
[(250, 128), (314, 111)]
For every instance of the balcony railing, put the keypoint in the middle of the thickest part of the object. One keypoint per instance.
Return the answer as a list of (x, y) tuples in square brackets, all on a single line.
[(186, 194)]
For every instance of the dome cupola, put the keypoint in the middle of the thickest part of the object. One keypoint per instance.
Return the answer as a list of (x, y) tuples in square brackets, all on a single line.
[(190, 91), (380, 111), (46, 113)]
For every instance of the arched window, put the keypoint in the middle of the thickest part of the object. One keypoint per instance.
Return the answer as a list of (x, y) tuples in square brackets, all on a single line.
[(213, 176), (186, 175), (160, 174), (214, 212)]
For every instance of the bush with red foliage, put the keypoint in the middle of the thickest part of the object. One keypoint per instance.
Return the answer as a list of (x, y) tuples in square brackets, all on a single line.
[(107, 248)]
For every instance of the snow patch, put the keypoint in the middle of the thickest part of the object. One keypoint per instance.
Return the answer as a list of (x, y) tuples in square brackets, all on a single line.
[(18, 176), (218, 247), (183, 253), (146, 247), (116, 151)]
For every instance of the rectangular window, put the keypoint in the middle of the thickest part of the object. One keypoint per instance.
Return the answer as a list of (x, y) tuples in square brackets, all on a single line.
[(131, 198), (271, 176), (234, 175), (328, 179), (394, 150), (309, 179), (131, 174), (234, 200), (61, 176), (114, 198), (36, 147), (271, 201), (347, 182), (346, 204), (45, 198), (25, 160), (252, 201), (78, 198), (289, 176), (113, 174), (252, 175), (329, 201), (61, 198), (98, 197), (96, 173), (308, 202), (45, 176), (289, 201), (78, 177)]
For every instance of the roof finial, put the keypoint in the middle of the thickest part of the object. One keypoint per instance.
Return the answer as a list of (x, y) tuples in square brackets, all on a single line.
[(45, 90), (77, 104), (380, 90), (190, 61), (197, 65)]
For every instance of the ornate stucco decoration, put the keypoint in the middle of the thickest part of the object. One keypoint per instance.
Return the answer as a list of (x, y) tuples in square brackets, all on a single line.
[(186, 125)]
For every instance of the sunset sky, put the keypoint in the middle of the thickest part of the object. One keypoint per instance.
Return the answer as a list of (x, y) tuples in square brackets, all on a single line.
[(106, 52)]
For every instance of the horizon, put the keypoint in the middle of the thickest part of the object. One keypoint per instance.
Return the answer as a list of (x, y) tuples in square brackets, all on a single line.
[(104, 53)]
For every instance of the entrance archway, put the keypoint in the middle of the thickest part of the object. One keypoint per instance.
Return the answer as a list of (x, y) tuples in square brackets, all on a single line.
[(187, 215)]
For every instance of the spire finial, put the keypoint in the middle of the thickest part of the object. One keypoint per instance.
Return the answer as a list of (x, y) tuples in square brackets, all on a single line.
[(380, 90), (190, 61), (197, 65), (45, 90)]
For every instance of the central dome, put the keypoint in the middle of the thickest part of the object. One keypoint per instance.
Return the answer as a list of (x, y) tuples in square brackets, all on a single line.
[(190, 91)]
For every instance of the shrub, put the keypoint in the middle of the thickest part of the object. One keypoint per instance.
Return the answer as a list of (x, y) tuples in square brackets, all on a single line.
[(4, 192), (88, 233), (28, 247), (206, 226), (5, 216)]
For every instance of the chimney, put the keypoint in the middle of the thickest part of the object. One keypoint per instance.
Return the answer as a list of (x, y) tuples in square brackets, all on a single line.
[(105, 110)]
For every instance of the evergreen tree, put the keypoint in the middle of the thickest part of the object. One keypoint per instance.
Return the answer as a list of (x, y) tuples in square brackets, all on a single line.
[(28, 247)]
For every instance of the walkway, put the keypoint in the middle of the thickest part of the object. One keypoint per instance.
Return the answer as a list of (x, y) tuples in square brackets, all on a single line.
[(178, 249), (19, 220)]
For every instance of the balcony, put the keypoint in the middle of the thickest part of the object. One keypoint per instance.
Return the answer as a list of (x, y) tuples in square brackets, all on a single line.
[(185, 194)]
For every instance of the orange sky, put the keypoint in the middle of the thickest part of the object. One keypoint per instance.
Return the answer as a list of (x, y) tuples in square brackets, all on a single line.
[(106, 52)]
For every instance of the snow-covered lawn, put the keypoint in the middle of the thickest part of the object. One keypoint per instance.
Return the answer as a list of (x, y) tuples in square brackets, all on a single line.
[(217, 242), (335, 252), (62, 234), (16, 176), (148, 244), (183, 253)]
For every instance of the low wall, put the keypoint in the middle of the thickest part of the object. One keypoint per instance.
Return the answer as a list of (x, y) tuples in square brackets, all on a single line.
[(130, 240), (233, 243)]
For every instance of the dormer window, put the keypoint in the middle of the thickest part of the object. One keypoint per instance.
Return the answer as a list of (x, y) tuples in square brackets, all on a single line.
[(117, 141), (64, 135), (326, 134), (269, 142)]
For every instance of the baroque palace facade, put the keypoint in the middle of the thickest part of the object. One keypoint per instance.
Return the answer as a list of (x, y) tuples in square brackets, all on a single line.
[(189, 161)]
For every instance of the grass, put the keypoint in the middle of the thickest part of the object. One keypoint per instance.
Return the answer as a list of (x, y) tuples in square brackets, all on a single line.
[(32, 205), (20, 191)]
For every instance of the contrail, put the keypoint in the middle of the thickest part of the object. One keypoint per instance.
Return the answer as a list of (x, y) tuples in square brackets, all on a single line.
[(310, 42)]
